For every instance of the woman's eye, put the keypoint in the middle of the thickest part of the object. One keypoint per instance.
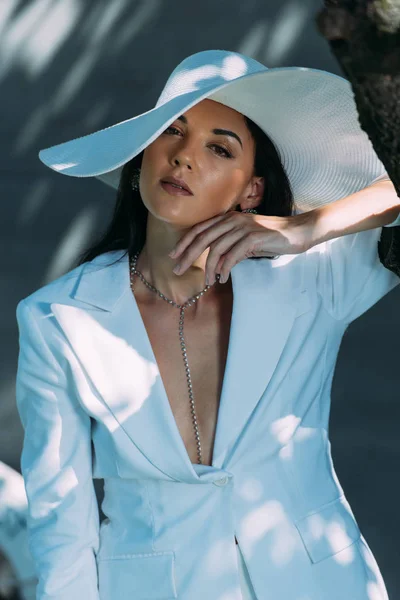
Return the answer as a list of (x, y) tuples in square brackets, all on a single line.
[(172, 128), (221, 150), (224, 150)]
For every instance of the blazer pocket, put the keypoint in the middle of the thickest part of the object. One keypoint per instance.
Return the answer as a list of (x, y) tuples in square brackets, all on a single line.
[(328, 530), (147, 576)]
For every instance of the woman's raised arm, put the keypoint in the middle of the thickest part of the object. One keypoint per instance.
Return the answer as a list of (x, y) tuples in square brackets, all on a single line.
[(345, 235), (374, 206)]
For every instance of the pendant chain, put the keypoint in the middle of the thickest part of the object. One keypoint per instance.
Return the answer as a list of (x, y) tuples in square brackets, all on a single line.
[(182, 307)]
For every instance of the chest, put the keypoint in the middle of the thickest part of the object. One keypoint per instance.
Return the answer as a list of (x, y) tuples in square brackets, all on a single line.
[(206, 332)]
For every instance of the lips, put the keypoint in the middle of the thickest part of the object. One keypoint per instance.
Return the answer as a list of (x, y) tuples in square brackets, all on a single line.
[(174, 190), (180, 183)]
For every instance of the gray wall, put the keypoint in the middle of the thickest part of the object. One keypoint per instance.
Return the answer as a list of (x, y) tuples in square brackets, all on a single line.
[(69, 67)]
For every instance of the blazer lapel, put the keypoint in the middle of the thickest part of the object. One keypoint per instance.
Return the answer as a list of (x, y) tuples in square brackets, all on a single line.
[(267, 298), (107, 333)]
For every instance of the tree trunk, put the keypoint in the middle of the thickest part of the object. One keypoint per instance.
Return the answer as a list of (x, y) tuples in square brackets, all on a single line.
[(364, 36)]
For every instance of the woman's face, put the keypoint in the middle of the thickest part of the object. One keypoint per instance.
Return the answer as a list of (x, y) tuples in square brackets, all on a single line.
[(216, 166)]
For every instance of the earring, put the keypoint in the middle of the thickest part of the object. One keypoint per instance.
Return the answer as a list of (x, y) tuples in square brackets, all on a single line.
[(135, 180), (250, 210)]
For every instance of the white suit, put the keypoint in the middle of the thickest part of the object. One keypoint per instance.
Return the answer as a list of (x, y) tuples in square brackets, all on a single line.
[(87, 373)]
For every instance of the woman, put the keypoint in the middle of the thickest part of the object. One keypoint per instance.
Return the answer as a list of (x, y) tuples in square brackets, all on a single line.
[(196, 455)]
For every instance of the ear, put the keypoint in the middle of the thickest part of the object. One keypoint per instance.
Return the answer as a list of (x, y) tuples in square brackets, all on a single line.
[(254, 193)]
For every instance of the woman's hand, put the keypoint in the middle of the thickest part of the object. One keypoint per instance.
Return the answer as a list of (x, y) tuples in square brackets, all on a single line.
[(235, 236)]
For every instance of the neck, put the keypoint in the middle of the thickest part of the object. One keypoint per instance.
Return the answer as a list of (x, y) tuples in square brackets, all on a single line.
[(157, 269)]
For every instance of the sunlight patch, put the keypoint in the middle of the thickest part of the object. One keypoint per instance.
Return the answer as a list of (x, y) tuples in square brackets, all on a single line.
[(251, 490)]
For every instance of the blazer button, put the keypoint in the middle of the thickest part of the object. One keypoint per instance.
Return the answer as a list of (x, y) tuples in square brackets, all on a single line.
[(222, 481)]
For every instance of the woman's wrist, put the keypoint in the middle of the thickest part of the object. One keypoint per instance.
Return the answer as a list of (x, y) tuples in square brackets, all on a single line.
[(306, 225)]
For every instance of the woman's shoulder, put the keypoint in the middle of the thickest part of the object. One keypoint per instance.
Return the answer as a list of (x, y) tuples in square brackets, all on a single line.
[(62, 288)]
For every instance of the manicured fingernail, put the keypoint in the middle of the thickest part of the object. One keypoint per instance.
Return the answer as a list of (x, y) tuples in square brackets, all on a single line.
[(172, 253), (176, 269)]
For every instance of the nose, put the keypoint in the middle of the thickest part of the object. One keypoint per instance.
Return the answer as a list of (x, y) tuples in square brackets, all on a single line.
[(183, 156), (182, 160)]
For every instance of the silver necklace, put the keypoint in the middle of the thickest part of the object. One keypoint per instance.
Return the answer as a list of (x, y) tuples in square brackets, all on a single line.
[(182, 307)]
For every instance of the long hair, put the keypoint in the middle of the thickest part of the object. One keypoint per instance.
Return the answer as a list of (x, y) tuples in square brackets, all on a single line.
[(127, 229)]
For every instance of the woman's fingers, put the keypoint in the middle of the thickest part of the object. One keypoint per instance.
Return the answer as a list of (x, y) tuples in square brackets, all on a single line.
[(220, 250), (244, 248), (194, 245), (197, 229)]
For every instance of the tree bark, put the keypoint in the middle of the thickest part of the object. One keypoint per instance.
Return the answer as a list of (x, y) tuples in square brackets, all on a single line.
[(364, 36)]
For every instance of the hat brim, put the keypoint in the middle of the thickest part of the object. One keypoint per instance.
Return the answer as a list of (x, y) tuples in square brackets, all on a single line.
[(309, 114)]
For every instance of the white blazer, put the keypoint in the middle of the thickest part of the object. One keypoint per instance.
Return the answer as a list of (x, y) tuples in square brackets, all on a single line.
[(87, 375)]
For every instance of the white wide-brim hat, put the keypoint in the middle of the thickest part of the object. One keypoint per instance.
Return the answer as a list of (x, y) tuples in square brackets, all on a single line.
[(309, 114)]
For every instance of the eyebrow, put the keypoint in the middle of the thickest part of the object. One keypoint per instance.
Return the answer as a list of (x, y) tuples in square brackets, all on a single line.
[(217, 131)]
